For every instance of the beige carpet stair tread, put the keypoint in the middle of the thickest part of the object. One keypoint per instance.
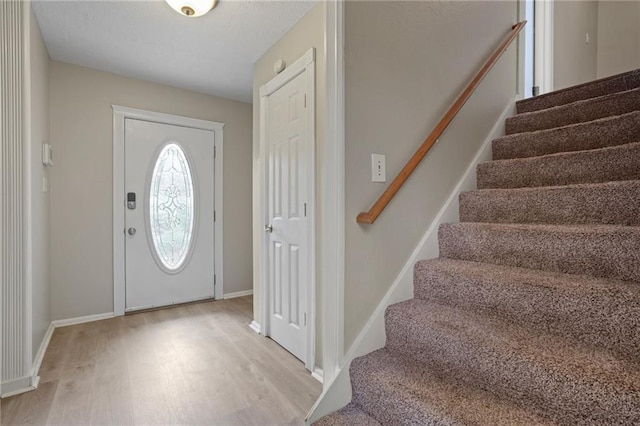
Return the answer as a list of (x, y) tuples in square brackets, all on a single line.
[(576, 112), (609, 131), (517, 363), (591, 89), (351, 415), (596, 311), (598, 165), (607, 251), (397, 390), (613, 203)]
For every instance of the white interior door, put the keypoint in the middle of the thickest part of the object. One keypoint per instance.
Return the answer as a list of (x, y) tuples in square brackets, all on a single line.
[(287, 198), (169, 214)]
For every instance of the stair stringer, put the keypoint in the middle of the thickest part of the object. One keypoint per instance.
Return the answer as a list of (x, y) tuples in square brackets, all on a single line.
[(337, 393)]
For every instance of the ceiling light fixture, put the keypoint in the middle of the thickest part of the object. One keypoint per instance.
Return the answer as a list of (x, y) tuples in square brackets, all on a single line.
[(192, 8)]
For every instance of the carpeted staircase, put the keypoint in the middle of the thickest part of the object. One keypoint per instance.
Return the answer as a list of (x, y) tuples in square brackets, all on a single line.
[(531, 314)]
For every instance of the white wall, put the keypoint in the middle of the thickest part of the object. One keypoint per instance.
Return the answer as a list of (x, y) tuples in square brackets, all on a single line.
[(81, 181), (307, 33), (618, 37), (39, 220), (406, 63), (574, 60)]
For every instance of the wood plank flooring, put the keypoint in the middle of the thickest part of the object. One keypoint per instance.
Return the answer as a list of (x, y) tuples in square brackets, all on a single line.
[(197, 364)]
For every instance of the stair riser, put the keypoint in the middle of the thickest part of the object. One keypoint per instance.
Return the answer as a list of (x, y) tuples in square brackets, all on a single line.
[(509, 375), (347, 416), (382, 406), (580, 112), (614, 131), (612, 204), (398, 390), (600, 253), (593, 166), (613, 84), (605, 318)]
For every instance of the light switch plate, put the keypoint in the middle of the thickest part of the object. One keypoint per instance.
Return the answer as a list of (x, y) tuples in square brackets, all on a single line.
[(378, 168)]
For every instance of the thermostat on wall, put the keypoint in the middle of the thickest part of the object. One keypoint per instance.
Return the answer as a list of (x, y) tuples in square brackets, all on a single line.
[(47, 155)]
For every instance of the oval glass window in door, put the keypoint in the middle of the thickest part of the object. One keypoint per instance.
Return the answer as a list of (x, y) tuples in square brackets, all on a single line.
[(171, 207)]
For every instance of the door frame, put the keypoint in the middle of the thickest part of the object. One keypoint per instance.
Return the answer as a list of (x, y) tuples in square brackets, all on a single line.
[(304, 64), (120, 114), (543, 45)]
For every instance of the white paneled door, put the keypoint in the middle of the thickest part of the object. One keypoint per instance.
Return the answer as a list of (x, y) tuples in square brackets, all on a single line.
[(169, 214), (287, 222)]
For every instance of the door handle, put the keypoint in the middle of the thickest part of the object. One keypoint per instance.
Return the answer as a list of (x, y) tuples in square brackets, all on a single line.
[(268, 228), (131, 231)]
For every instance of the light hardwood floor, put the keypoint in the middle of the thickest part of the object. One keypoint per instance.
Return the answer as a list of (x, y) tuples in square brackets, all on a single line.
[(196, 364)]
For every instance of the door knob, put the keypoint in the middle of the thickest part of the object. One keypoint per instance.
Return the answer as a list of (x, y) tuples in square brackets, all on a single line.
[(131, 231), (268, 228)]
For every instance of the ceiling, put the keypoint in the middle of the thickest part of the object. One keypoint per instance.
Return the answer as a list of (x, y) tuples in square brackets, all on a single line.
[(212, 54)]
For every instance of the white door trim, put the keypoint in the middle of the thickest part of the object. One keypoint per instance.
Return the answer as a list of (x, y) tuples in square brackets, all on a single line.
[(333, 198), (121, 113), (305, 64), (526, 49), (543, 34)]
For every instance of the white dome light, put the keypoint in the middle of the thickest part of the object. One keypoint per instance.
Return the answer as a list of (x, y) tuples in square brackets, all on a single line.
[(192, 8)]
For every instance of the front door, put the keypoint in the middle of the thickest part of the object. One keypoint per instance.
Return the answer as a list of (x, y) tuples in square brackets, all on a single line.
[(288, 202), (169, 214)]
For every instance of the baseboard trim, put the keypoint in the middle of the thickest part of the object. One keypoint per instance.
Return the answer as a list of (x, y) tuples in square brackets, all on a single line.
[(16, 386), (81, 320), (372, 336), (37, 361), (28, 383), (318, 374), (255, 326), (238, 294)]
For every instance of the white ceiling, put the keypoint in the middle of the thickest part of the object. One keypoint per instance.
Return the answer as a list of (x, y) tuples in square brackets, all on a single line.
[(212, 54)]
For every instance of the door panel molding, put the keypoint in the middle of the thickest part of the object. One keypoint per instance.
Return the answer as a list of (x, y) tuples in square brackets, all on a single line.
[(305, 64), (120, 114)]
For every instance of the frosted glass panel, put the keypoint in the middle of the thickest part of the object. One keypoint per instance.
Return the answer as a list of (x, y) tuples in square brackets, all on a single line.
[(171, 206)]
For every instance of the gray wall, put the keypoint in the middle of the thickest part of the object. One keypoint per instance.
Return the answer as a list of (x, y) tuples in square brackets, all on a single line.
[(307, 33), (39, 134), (574, 61), (406, 63), (618, 37), (81, 181)]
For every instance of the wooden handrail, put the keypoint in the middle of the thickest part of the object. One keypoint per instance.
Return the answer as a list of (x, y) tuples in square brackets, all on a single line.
[(392, 190)]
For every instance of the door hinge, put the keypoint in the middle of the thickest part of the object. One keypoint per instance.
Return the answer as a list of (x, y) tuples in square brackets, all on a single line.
[(215, 152), (305, 100), (214, 279), (214, 215), (305, 319), (535, 91), (305, 209)]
